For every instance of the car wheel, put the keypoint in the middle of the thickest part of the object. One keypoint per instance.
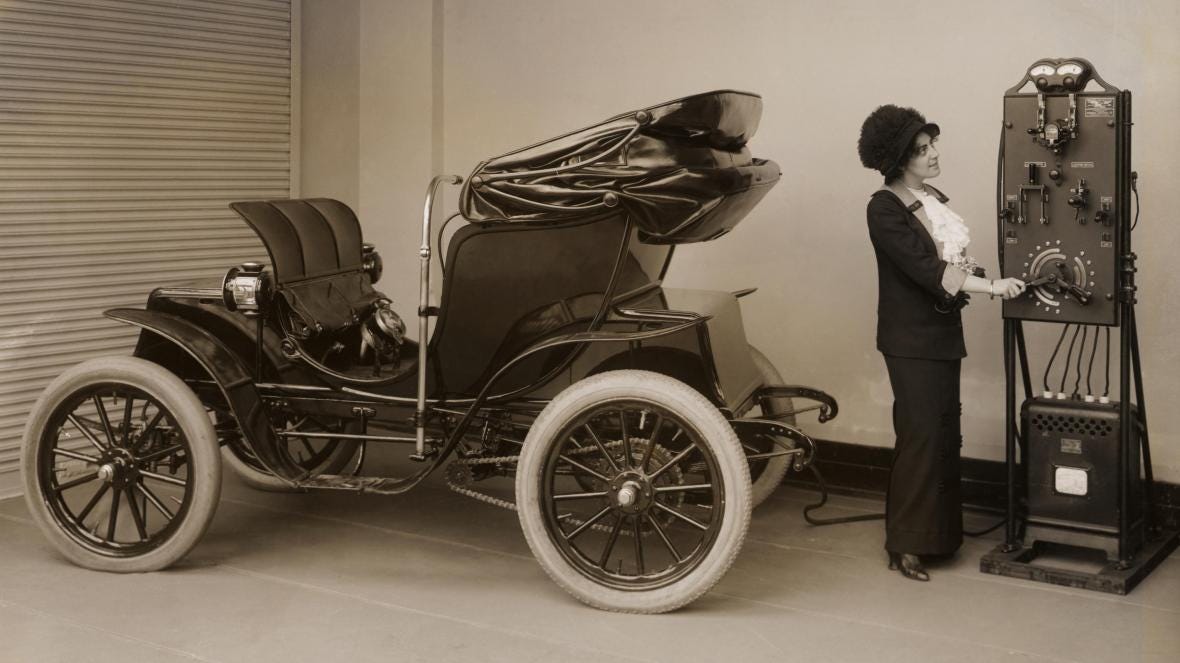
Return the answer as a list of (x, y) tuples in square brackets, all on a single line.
[(633, 492), (766, 474), (120, 465)]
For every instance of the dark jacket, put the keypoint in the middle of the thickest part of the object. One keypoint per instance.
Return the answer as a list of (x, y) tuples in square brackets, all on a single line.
[(909, 281)]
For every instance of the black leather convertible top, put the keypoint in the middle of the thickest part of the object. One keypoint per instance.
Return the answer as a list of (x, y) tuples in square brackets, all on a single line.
[(679, 169)]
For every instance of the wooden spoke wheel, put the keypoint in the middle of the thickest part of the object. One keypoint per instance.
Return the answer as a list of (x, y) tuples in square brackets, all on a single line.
[(633, 492), (120, 465)]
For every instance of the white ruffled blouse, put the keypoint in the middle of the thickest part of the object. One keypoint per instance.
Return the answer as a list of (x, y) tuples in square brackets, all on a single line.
[(951, 236)]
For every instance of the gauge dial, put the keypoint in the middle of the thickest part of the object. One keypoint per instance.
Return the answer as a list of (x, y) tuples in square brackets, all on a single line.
[(1069, 69), (1042, 70)]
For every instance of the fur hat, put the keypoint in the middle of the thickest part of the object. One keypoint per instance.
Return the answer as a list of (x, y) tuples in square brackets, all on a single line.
[(886, 135)]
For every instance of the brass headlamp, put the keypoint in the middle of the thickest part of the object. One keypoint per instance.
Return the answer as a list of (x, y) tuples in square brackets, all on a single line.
[(246, 289)]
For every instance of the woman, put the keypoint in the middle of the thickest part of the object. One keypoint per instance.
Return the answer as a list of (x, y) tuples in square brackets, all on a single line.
[(923, 275)]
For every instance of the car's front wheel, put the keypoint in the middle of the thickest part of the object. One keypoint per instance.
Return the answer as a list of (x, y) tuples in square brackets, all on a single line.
[(120, 465)]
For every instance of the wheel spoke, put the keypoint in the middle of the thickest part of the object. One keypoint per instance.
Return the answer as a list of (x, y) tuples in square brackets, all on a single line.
[(684, 487), (311, 452), (125, 432), (147, 431), (610, 543), (86, 432), (602, 449), (626, 439), (163, 477), (106, 421), (651, 441), (93, 502), (140, 526), (586, 525), (76, 456), (664, 537), (675, 459), (160, 453), (114, 520), (585, 469), (667, 509), (579, 496), (151, 497), (638, 543), (85, 478)]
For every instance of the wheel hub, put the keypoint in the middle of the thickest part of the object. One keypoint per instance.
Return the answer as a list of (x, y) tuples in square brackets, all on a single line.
[(119, 469), (630, 492)]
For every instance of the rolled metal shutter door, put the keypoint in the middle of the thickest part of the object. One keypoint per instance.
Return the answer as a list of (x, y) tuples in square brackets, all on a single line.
[(126, 128)]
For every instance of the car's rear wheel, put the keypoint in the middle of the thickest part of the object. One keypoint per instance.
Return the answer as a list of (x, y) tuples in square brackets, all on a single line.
[(633, 492), (120, 465)]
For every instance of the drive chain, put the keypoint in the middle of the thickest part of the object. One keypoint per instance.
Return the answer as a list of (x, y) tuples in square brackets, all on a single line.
[(508, 504)]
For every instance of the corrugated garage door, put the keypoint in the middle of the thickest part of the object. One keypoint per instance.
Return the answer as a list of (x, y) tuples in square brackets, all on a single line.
[(126, 127)]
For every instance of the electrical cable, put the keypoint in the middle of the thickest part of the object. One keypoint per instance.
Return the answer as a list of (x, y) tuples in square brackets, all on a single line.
[(1106, 389), (1135, 190), (1090, 369), (1053, 357), (1068, 357), (1078, 382), (823, 499)]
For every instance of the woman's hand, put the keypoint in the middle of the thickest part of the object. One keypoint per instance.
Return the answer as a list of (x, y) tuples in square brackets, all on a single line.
[(1007, 288)]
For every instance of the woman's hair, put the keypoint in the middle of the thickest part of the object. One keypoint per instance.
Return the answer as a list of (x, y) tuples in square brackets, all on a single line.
[(881, 135)]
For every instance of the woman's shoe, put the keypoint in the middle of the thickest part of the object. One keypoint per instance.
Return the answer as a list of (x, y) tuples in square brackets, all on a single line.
[(909, 565)]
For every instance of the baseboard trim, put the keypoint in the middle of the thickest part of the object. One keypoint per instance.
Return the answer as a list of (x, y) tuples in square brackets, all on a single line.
[(863, 471)]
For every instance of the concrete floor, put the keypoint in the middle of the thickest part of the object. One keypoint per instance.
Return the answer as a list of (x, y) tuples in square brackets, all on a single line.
[(434, 576)]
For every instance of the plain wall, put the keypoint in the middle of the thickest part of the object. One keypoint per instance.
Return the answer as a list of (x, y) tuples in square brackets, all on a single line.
[(329, 61), (367, 123), (510, 73)]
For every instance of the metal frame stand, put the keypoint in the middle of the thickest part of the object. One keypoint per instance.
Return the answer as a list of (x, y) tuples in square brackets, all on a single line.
[(1135, 561)]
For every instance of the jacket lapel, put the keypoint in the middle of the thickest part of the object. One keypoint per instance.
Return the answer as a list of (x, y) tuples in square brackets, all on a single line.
[(917, 218)]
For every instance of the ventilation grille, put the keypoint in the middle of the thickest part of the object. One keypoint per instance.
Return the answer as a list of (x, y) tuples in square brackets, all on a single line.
[(1074, 425)]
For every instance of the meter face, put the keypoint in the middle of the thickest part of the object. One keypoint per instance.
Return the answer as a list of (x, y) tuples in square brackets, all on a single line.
[(1042, 70), (1070, 69)]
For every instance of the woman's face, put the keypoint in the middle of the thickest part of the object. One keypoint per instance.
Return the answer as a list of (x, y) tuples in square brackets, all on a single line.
[(924, 164)]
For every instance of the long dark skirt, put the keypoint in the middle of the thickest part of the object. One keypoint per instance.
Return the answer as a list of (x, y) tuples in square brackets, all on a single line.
[(923, 512)]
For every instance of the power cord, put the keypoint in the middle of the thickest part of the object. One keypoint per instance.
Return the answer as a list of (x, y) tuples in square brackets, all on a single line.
[(823, 499)]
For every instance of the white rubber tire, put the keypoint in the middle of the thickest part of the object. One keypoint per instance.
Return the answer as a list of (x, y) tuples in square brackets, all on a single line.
[(713, 430), (771, 476), (203, 466)]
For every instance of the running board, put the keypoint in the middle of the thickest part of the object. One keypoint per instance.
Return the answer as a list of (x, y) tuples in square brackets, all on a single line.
[(373, 485)]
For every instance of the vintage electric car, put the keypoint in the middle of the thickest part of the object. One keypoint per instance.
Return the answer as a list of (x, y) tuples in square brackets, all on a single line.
[(638, 424)]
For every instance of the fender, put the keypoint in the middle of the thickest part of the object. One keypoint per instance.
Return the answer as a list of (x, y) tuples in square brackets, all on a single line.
[(234, 380)]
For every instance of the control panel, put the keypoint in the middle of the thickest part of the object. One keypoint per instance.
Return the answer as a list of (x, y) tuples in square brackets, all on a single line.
[(1063, 186)]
